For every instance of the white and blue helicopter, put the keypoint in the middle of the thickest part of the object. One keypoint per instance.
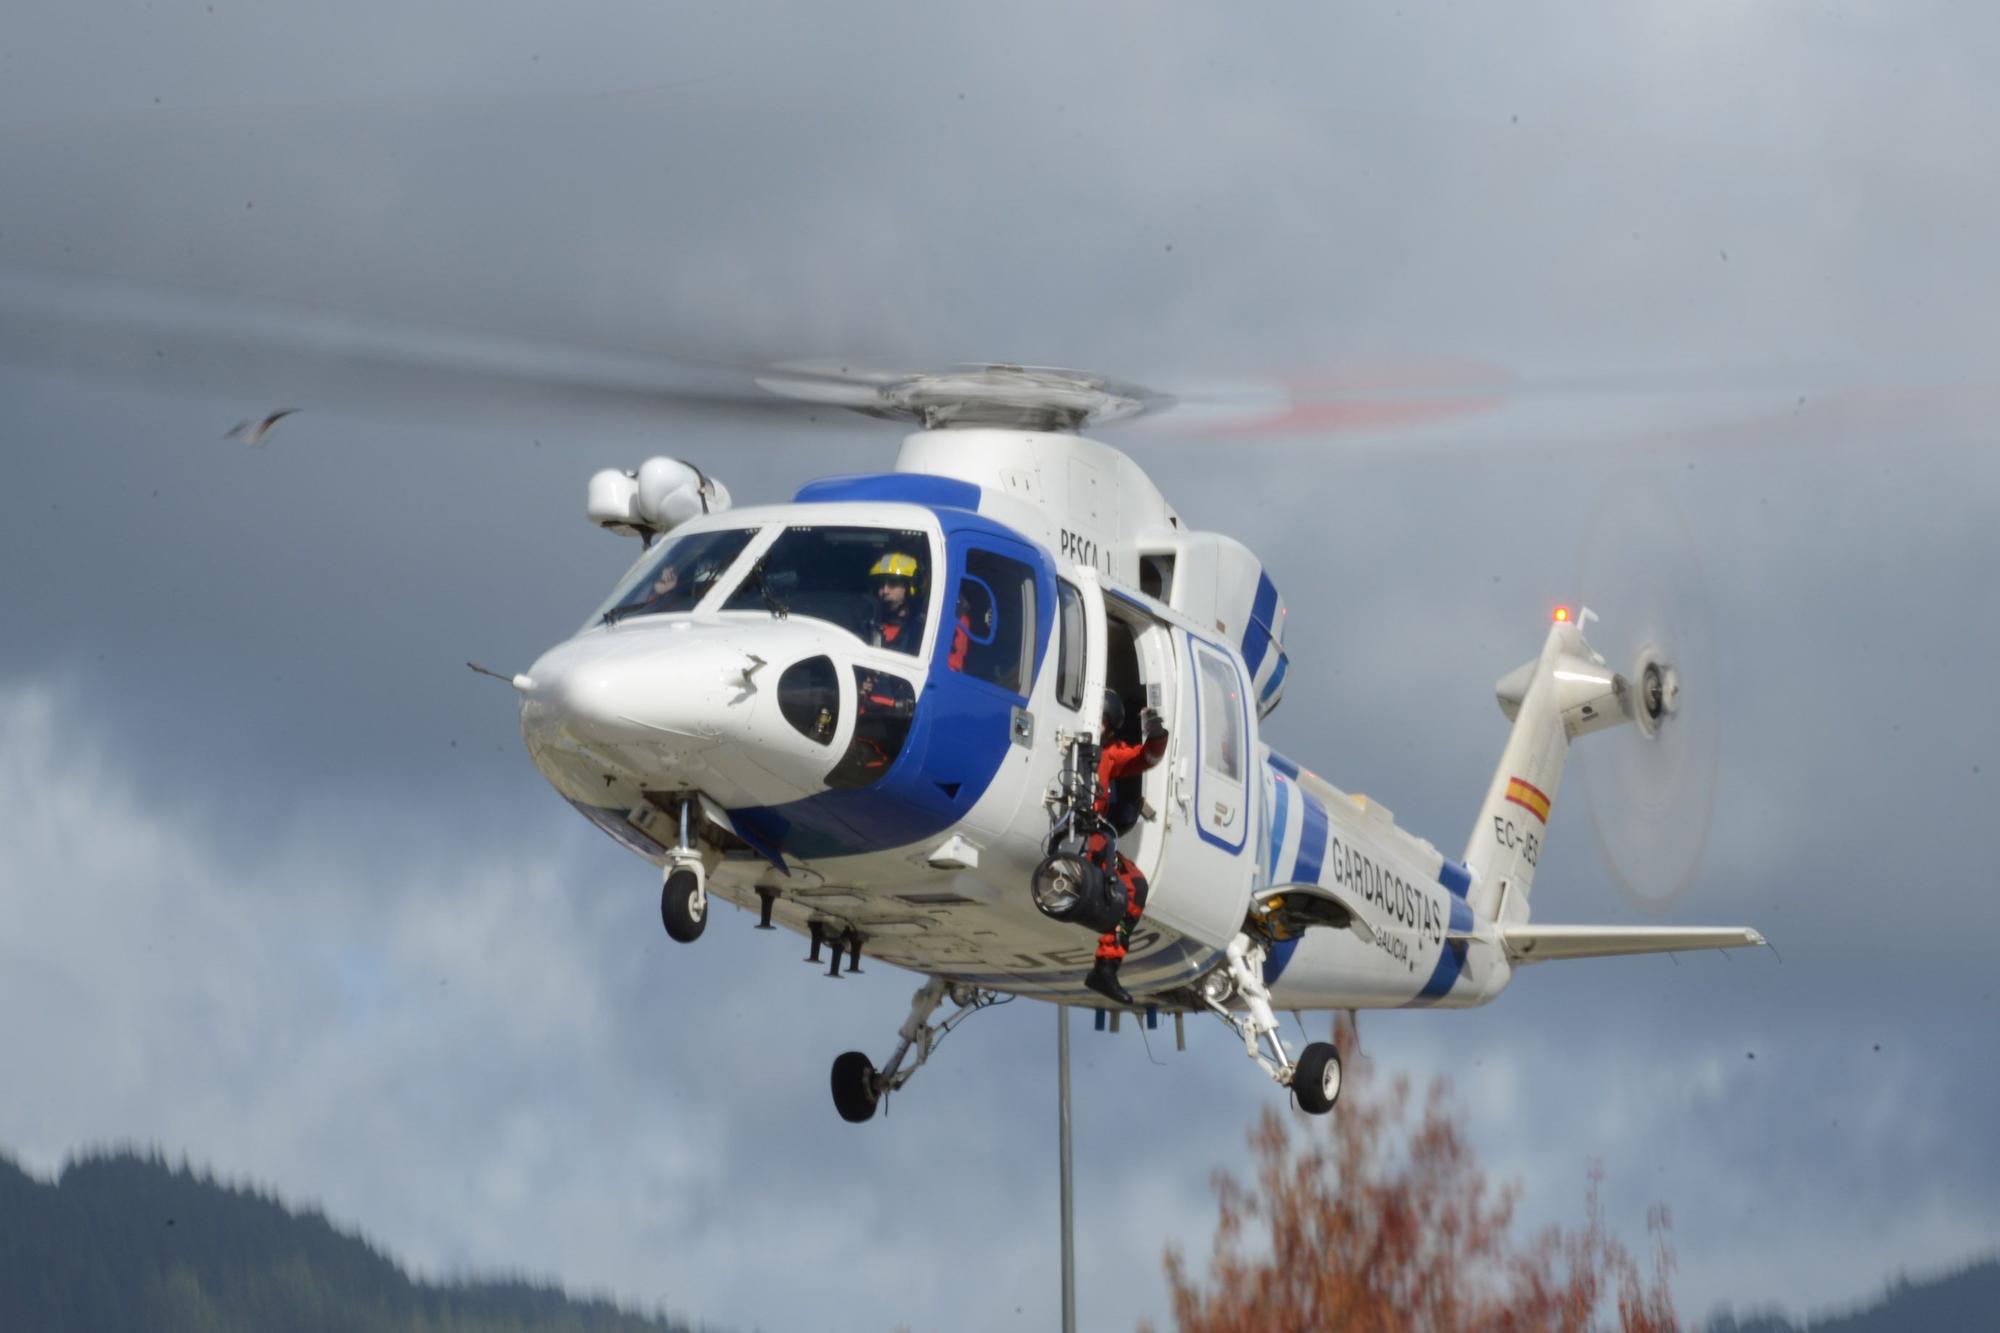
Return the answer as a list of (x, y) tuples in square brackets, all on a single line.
[(731, 715)]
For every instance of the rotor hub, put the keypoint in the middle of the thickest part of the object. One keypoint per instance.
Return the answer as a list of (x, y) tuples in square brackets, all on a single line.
[(1038, 398), (1658, 693)]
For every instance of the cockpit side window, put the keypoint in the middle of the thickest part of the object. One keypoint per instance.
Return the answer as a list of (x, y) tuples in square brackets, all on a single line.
[(875, 583), (679, 575), (995, 608)]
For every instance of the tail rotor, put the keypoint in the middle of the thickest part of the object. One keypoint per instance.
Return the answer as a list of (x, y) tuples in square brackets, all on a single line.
[(1650, 787)]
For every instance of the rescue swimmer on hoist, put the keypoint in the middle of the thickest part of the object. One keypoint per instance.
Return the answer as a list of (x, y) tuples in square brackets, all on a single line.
[(1120, 759)]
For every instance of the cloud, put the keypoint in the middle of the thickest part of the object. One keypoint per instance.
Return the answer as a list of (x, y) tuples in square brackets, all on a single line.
[(430, 1054), (486, 1056), (1211, 197)]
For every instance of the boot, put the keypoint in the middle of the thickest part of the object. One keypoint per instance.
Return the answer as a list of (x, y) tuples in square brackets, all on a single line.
[(1103, 979)]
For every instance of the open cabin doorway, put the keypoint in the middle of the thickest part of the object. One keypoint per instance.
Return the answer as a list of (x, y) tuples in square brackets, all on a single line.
[(1139, 669)]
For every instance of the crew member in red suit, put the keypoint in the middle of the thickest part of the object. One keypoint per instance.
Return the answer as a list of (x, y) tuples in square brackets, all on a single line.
[(1120, 759)]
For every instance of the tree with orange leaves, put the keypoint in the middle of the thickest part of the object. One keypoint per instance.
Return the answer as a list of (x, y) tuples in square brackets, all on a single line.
[(1388, 1225)]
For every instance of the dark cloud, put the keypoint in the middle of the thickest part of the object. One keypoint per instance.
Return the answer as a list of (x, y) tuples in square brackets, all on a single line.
[(277, 859)]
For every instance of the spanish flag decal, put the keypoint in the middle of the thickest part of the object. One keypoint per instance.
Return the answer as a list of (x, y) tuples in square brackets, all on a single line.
[(1529, 797)]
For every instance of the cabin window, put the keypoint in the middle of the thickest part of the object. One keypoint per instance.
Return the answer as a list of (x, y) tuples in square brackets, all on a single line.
[(993, 638), (1070, 646), (1221, 716)]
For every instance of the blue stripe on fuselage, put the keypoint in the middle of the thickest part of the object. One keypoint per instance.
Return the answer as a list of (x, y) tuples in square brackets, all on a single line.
[(1278, 959), (1312, 842), (958, 738), (1451, 957), (917, 488), (1451, 961), (1455, 878), (1257, 634), (1277, 680), (1282, 787), (1281, 803)]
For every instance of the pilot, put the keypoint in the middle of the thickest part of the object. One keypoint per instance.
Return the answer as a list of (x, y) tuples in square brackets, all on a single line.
[(1121, 759), (899, 611), (667, 593), (664, 585)]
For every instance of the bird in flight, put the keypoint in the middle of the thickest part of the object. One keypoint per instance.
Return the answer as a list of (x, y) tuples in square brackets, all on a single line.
[(253, 432)]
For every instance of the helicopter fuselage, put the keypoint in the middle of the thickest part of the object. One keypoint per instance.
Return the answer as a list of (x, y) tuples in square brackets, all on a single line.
[(894, 788)]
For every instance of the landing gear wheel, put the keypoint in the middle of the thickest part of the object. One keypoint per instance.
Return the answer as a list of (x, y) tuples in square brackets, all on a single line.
[(854, 1094), (1316, 1078), (683, 906)]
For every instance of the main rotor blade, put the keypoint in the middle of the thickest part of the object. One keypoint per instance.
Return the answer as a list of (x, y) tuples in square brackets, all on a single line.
[(186, 339), (261, 352)]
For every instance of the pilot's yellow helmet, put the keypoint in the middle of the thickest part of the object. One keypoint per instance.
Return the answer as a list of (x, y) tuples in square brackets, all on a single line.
[(896, 565)]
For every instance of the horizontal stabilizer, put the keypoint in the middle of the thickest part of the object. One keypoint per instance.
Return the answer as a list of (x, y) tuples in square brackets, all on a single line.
[(1536, 944)]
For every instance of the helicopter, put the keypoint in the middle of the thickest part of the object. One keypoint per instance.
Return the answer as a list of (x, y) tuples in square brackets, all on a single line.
[(734, 715)]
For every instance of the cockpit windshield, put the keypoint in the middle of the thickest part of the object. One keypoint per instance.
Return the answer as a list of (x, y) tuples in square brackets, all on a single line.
[(679, 574), (875, 583)]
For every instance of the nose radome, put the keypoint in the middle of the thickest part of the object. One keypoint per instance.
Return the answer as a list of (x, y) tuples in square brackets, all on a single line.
[(680, 709), (651, 687)]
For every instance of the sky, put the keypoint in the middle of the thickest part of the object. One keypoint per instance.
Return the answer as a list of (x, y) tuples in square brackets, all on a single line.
[(281, 892)]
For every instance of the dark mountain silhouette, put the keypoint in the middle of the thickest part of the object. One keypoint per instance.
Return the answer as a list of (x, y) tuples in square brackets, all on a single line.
[(125, 1241), (1967, 1298)]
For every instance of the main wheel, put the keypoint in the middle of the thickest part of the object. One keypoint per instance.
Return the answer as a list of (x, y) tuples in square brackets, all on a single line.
[(683, 907), (854, 1094), (1316, 1078)]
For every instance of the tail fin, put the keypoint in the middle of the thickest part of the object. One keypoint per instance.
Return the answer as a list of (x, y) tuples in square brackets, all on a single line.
[(1566, 692)]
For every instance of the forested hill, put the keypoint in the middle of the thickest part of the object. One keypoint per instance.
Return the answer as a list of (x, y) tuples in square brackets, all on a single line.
[(1966, 1299), (127, 1242)]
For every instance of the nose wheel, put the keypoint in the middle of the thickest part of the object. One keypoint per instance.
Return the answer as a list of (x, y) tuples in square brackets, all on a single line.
[(683, 904), (684, 894)]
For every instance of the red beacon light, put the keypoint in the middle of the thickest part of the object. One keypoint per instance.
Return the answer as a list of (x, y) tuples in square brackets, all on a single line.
[(1562, 615)]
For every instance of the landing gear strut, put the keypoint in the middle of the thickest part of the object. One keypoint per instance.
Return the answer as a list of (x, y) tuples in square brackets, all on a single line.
[(684, 894), (858, 1087), (1314, 1077)]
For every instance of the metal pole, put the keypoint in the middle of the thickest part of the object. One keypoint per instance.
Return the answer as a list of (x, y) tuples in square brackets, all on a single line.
[(1068, 1183)]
